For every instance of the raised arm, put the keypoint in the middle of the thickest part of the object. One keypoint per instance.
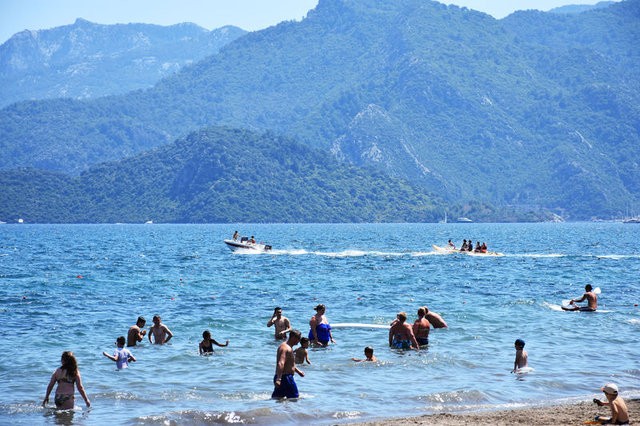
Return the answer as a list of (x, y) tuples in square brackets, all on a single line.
[(111, 357)]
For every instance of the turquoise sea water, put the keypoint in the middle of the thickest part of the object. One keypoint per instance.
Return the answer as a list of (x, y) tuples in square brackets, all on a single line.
[(362, 273)]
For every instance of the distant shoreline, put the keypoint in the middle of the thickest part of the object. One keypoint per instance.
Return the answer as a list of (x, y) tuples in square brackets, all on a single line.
[(563, 414)]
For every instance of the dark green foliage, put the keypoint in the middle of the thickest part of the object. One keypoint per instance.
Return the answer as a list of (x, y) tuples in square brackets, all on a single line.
[(216, 175)]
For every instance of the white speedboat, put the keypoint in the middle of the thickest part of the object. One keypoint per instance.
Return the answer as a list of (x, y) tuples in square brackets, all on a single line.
[(245, 244), (451, 250)]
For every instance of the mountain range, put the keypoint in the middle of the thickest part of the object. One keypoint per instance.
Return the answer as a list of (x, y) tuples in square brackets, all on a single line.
[(88, 60), (534, 112)]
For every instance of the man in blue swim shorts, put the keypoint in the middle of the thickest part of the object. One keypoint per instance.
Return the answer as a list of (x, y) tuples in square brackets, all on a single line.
[(284, 385), (401, 334)]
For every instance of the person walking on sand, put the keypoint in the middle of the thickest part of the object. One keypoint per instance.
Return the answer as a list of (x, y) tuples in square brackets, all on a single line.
[(136, 333), (591, 298), (281, 323), (401, 334), (121, 356), (159, 331), (522, 358), (66, 376), (284, 386), (619, 411)]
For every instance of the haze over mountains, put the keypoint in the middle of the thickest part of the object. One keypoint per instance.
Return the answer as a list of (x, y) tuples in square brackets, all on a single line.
[(87, 60), (535, 112)]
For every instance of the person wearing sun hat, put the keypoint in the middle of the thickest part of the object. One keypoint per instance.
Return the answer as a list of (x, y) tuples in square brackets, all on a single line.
[(619, 412)]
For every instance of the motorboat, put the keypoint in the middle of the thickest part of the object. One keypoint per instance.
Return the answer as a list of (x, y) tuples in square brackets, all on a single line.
[(245, 244), (451, 250)]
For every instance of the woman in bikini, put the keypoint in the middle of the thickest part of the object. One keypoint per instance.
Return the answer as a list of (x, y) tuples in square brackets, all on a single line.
[(66, 376)]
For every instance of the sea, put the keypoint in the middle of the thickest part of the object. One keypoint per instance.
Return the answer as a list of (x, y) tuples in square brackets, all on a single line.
[(79, 287)]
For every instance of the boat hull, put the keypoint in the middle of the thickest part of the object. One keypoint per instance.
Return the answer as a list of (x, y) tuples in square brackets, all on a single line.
[(235, 245)]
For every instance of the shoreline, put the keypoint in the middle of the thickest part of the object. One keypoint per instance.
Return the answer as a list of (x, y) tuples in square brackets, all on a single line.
[(561, 414)]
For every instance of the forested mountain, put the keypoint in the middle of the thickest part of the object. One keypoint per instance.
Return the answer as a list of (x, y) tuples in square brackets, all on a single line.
[(216, 175), (87, 60), (537, 110)]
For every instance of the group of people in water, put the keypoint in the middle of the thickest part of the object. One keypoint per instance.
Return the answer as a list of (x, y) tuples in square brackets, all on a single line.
[(402, 336), (468, 246)]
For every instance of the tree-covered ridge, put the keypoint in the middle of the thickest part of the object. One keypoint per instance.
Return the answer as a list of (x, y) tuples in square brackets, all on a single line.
[(216, 175), (87, 60), (536, 110)]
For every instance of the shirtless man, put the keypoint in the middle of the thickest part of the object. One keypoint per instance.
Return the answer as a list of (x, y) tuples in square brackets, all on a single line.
[(281, 322), (421, 328), (589, 296), (136, 333), (434, 319), (401, 334), (159, 331), (619, 411), (284, 385)]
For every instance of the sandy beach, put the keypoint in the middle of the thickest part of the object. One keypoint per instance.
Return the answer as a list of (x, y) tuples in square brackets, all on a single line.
[(575, 414)]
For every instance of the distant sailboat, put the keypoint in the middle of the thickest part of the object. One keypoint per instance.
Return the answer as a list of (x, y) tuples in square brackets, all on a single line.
[(445, 218)]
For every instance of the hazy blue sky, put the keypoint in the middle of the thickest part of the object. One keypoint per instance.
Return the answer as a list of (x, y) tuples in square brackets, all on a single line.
[(18, 15)]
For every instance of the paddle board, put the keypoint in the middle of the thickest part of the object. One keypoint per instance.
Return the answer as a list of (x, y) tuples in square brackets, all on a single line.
[(358, 325)]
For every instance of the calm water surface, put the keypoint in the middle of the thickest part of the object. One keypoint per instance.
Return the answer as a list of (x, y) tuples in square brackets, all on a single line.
[(363, 273)]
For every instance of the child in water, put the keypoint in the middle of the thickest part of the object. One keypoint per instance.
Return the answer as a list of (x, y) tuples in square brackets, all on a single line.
[(122, 355), (522, 358), (302, 354), (206, 346), (368, 353)]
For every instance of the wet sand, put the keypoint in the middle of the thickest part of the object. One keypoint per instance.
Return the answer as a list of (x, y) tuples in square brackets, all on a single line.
[(575, 414)]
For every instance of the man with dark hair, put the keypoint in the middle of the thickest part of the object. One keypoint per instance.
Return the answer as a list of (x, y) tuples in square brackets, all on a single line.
[(284, 385), (589, 296)]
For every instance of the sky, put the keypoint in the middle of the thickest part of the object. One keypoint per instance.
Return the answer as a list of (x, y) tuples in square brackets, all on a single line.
[(250, 15)]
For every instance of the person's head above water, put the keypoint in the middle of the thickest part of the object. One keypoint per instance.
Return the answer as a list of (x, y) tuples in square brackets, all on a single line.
[(519, 343)]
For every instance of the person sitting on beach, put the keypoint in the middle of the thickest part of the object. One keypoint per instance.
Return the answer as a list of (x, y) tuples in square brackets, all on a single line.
[(282, 324), (619, 412), (434, 319), (206, 346), (66, 376), (369, 356), (136, 333), (159, 331), (320, 330), (421, 327), (283, 384), (121, 356), (401, 334), (589, 296), (522, 358), (302, 354)]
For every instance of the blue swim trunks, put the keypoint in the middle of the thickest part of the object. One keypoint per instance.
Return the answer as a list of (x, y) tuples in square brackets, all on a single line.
[(287, 389), (401, 344)]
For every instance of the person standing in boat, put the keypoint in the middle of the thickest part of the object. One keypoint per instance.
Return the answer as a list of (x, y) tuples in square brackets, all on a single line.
[(320, 332), (235, 236)]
